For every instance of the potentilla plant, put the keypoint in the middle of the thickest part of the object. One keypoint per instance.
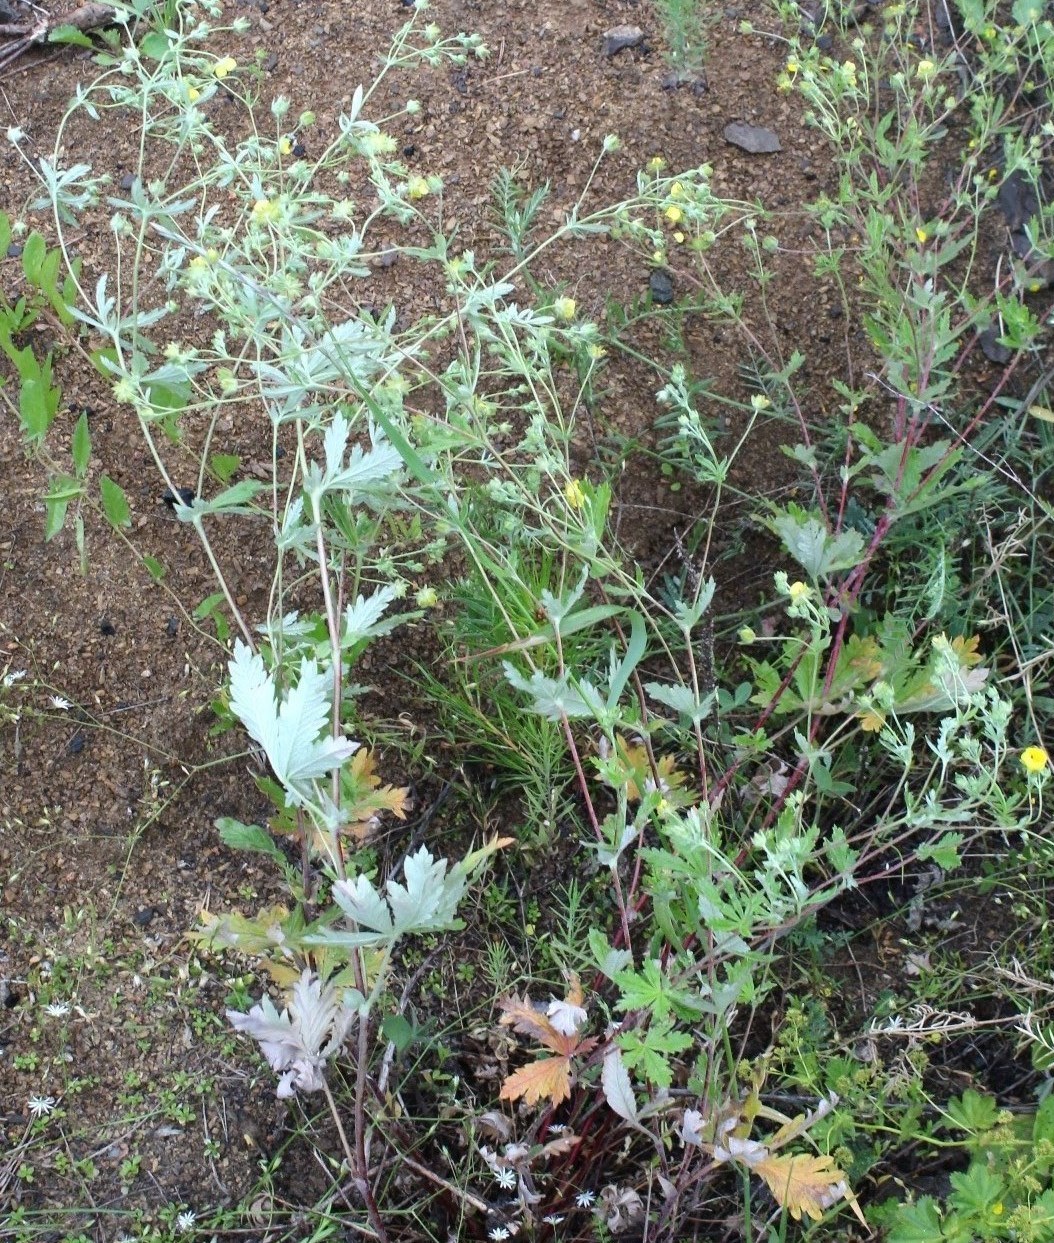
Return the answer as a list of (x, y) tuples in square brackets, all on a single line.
[(718, 833)]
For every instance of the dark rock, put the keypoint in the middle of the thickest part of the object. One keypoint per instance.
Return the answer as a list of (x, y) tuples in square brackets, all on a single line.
[(184, 496), (825, 42), (992, 349), (14, 250), (127, 181), (618, 38), (76, 744), (660, 285), (143, 916), (1017, 200), (753, 138), (172, 627)]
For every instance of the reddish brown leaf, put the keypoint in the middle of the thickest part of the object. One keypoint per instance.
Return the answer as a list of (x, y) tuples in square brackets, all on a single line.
[(547, 1079)]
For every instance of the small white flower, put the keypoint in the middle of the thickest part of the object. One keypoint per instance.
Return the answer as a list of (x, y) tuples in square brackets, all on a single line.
[(57, 1009), (557, 1128), (553, 1219), (185, 1221), (16, 675), (60, 704), (506, 1177), (40, 1106), (15, 135), (499, 1233), (585, 1199)]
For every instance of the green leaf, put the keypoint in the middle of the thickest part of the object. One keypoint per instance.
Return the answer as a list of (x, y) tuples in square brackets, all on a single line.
[(63, 489), (81, 446), (944, 851), (647, 1050), (35, 408), (917, 1223), (224, 465), (241, 836), (977, 1191), (69, 34), (115, 504), (973, 1112), (154, 567), (806, 537), (5, 233), (154, 46), (398, 1030), (33, 254)]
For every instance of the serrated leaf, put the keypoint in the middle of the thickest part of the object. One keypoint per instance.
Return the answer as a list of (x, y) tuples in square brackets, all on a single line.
[(549, 1079), (224, 465), (917, 1223), (288, 726), (618, 1090), (819, 552), (69, 34), (362, 619), (241, 836), (803, 1184)]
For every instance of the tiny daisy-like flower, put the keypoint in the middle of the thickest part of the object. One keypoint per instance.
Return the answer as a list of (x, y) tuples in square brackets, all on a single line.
[(552, 1219), (185, 1221), (57, 1009), (41, 1106), (557, 1128), (1034, 760), (585, 1199), (506, 1177), (62, 705), (499, 1233)]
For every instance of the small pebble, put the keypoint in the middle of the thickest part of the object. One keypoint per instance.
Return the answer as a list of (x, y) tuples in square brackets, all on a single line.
[(143, 916), (660, 284)]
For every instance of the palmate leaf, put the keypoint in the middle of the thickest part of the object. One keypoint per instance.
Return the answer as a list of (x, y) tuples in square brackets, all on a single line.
[(548, 1078), (803, 1183), (288, 727)]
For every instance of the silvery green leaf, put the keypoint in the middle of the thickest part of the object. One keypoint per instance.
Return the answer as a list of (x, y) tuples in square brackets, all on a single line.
[(689, 614), (681, 699), (555, 698), (618, 1091), (365, 468), (288, 727), (426, 903), (299, 1041), (610, 960), (362, 620), (807, 539)]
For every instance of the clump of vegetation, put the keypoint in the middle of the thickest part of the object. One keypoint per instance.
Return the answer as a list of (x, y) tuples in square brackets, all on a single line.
[(726, 779)]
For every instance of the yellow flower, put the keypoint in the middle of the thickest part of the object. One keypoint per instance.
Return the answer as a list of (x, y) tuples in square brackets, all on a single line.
[(799, 591), (418, 188), (676, 190), (285, 146), (656, 164), (574, 494), (193, 94), (760, 402), (225, 66), (265, 211), (922, 235), (564, 309), (792, 66), (674, 214), (678, 237), (597, 352), (1034, 760), (925, 70)]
